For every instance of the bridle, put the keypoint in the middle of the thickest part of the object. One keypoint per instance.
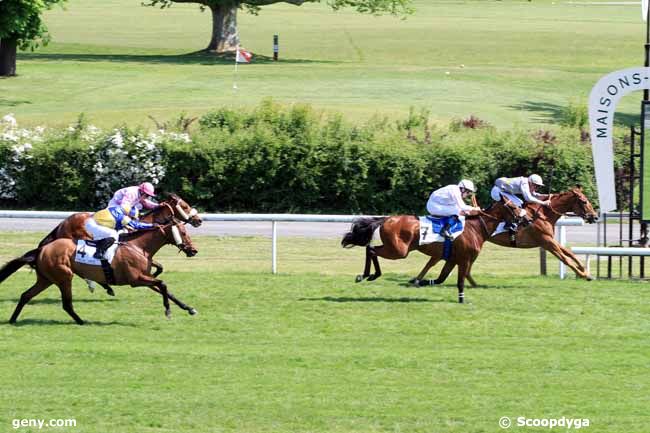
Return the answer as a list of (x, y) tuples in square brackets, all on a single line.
[(176, 234)]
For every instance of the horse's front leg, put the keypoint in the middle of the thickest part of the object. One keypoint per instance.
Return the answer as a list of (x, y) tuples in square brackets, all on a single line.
[(151, 282), (159, 268), (176, 301)]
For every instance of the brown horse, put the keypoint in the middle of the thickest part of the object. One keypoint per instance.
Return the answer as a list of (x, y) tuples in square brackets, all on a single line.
[(55, 264), (541, 232), (401, 234), (73, 227)]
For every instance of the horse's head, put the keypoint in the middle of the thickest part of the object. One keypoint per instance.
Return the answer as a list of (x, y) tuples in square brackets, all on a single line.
[(582, 207), (184, 211), (176, 234)]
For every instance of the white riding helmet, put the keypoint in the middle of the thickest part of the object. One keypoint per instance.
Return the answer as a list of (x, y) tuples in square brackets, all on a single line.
[(467, 184), (535, 179)]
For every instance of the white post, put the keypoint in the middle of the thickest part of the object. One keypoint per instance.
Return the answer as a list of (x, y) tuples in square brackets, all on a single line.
[(562, 241), (274, 248)]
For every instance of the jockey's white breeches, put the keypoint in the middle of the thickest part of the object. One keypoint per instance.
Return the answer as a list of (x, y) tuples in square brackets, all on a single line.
[(438, 209), (497, 192), (99, 231)]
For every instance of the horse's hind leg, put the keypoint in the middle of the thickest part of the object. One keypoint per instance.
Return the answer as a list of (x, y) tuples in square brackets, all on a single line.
[(66, 300), (41, 284), (366, 268), (375, 262)]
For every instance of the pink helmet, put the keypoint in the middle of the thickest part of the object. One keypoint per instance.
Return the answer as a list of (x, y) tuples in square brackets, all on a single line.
[(147, 188)]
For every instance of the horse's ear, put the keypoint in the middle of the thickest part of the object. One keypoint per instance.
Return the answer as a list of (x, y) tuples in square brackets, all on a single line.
[(579, 187)]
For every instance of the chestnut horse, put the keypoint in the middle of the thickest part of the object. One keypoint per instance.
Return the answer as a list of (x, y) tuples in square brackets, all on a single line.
[(73, 227), (541, 232), (55, 264), (401, 234)]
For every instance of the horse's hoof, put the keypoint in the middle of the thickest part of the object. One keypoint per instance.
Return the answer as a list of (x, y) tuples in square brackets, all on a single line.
[(110, 292), (589, 278), (168, 314), (414, 282), (373, 277), (358, 279), (193, 312)]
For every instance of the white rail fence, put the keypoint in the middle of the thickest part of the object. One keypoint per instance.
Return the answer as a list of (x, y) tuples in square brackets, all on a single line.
[(274, 219)]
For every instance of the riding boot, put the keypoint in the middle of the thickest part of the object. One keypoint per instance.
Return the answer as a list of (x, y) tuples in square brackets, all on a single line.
[(512, 230), (446, 233), (102, 246)]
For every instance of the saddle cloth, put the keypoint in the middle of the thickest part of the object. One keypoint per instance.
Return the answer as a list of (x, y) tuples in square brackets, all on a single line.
[(430, 228), (86, 250)]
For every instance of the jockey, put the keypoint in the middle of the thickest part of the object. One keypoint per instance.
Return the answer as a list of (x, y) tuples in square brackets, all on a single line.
[(104, 224), (135, 196), (448, 201), (512, 187)]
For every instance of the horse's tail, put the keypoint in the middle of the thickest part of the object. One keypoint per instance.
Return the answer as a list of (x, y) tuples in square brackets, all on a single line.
[(49, 238), (29, 258), (360, 233)]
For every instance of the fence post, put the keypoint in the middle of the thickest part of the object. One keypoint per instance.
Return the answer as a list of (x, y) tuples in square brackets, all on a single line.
[(274, 247), (562, 241)]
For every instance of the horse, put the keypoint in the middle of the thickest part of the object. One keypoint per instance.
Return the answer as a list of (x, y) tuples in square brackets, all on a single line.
[(73, 227), (55, 264), (541, 231), (401, 234)]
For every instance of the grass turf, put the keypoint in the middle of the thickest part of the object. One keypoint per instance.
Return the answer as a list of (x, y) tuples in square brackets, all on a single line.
[(309, 350), (509, 62)]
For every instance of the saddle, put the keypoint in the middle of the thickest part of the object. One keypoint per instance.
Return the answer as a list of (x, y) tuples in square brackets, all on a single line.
[(84, 254), (432, 226)]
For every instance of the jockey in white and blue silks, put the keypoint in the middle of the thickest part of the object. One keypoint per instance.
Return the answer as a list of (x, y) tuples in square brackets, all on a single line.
[(448, 201), (135, 197), (103, 226), (512, 187)]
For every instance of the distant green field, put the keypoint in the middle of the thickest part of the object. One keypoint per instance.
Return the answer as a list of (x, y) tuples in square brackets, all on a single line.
[(509, 62), (309, 350)]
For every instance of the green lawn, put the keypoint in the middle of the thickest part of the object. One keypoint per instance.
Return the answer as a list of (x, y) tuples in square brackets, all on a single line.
[(309, 350), (510, 62)]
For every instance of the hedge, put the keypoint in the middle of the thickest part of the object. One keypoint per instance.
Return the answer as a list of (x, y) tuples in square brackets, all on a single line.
[(285, 159)]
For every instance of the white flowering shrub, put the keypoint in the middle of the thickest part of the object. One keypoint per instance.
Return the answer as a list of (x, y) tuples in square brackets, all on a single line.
[(126, 158), (16, 147)]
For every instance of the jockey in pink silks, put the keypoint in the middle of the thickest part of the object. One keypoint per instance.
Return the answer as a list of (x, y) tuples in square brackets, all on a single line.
[(135, 196)]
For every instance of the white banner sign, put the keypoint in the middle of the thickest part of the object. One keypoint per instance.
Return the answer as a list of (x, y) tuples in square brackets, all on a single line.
[(644, 9), (602, 104)]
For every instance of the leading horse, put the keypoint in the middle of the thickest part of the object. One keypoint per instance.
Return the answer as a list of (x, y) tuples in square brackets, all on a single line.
[(401, 234), (55, 264), (541, 231)]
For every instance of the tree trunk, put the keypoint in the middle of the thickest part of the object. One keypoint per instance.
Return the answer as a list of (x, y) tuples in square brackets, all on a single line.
[(8, 57), (224, 28)]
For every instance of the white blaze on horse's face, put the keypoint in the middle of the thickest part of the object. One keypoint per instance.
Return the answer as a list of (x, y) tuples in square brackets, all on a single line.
[(177, 235), (522, 213)]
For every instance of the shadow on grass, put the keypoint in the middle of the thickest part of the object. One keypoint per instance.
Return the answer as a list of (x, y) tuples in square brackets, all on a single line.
[(553, 113), (370, 299), (58, 301), (13, 102), (196, 58), (48, 322)]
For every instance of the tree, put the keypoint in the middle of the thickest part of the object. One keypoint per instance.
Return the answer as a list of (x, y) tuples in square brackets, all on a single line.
[(21, 27), (224, 14)]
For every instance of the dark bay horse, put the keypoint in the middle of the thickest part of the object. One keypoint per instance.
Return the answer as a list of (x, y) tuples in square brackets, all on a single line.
[(73, 227), (541, 231), (401, 234), (55, 264)]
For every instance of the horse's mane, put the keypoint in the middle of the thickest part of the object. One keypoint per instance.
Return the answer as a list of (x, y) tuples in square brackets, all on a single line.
[(125, 237)]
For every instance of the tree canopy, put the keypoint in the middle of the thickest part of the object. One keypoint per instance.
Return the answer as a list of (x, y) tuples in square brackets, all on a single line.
[(224, 14), (21, 26)]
